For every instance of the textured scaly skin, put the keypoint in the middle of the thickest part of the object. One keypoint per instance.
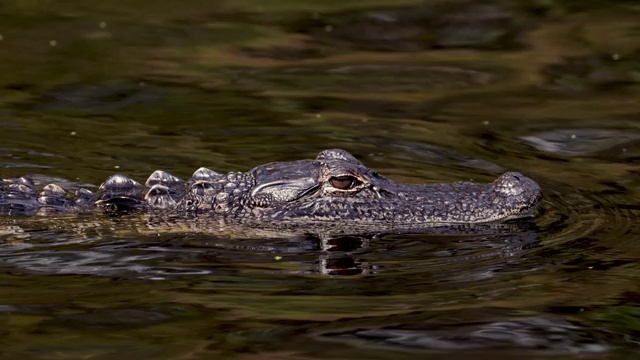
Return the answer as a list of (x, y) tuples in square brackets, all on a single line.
[(334, 188)]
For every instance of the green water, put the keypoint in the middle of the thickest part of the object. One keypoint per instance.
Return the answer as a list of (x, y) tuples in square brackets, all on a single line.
[(420, 91)]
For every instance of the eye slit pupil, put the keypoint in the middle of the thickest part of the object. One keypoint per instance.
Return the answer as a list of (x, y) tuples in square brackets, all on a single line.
[(343, 182)]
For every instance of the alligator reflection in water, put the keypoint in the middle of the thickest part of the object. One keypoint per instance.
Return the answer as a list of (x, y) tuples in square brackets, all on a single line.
[(340, 254), (150, 246)]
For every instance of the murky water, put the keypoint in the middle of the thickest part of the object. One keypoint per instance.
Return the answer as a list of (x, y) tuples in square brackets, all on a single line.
[(421, 92)]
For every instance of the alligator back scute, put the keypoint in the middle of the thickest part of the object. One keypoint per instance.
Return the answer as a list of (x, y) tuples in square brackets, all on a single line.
[(52, 195), (84, 199), (201, 190), (165, 190), (162, 191), (18, 196), (120, 192)]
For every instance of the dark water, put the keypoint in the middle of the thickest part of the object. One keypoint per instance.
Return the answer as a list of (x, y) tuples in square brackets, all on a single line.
[(421, 92)]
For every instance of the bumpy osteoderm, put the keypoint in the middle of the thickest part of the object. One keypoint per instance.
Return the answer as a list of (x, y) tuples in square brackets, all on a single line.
[(333, 187)]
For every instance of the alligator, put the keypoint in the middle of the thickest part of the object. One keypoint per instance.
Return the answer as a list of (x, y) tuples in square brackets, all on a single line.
[(334, 188)]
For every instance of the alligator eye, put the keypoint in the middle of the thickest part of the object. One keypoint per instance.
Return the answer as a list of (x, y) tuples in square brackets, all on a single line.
[(344, 182)]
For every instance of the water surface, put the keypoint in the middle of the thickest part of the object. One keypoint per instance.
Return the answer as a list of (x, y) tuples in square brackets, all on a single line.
[(420, 91)]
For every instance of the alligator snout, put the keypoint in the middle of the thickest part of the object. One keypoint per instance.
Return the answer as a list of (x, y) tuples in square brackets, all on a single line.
[(514, 184), (521, 194)]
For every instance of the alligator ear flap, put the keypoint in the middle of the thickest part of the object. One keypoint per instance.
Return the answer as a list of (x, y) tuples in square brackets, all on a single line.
[(338, 154), (280, 191)]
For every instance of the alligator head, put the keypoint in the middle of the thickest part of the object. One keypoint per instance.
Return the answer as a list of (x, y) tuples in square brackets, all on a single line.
[(334, 187)]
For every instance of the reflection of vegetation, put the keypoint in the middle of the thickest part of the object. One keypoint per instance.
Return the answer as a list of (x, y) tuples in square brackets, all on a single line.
[(583, 4), (438, 25), (622, 321), (594, 71), (626, 319)]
